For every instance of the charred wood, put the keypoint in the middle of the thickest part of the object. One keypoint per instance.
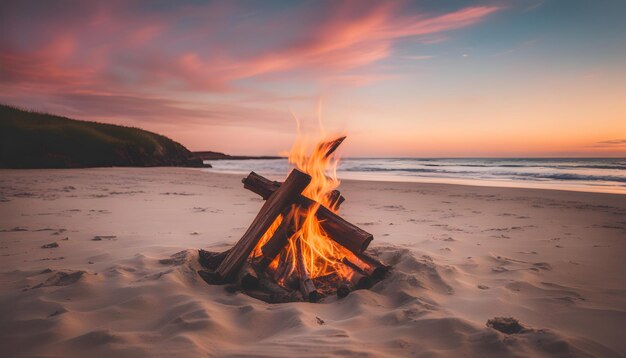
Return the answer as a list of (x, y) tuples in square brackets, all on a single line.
[(307, 287), (343, 232), (211, 260), (343, 290), (375, 269), (286, 195)]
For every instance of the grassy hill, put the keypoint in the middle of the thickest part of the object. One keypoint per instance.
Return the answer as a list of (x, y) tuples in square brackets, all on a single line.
[(39, 140), (207, 155)]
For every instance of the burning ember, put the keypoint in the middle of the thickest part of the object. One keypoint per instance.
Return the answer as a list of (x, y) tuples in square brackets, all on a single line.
[(298, 247)]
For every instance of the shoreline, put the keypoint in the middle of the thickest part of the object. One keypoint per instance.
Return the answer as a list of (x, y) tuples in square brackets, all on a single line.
[(419, 181), (446, 181)]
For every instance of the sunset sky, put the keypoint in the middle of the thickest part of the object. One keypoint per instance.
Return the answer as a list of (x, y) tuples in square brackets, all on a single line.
[(414, 78)]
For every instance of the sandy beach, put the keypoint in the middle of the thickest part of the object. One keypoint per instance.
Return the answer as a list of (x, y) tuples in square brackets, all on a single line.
[(102, 263)]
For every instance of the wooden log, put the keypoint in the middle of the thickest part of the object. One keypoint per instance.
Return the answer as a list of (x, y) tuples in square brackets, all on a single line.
[(265, 187), (286, 195), (247, 278), (260, 185), (335, 199), (346, 234), (375, 269), (211, 260), (278, 240), (307, 287), (342, 232), (284, 268), (343, 290), (359, 279), (332, 145), (209, 277), (278, 294)]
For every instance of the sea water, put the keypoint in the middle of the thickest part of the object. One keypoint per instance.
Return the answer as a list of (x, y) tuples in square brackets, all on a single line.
[(580, 174)]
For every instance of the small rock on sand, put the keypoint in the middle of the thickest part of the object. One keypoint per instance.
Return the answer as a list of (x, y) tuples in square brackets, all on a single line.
[(102, 237), (507, 325), (50, 245)]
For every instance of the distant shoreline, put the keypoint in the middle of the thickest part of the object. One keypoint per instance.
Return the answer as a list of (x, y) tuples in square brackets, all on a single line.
[(208, 155)]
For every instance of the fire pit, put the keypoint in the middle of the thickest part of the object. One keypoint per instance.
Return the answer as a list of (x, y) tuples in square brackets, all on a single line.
[(298, 248)]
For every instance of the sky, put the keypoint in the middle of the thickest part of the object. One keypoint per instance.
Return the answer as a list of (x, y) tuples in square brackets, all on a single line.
[(436, 78)]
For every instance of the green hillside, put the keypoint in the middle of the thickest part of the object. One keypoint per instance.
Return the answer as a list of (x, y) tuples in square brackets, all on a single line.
[(38, 140)]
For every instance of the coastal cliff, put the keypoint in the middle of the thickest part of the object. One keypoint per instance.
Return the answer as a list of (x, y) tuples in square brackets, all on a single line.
[(39, 140)]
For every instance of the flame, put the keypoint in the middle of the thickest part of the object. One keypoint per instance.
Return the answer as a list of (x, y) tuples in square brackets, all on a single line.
[(320, 254)]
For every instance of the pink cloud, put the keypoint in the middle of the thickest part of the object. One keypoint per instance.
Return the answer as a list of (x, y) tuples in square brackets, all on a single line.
[(90, 58), (134, 48)]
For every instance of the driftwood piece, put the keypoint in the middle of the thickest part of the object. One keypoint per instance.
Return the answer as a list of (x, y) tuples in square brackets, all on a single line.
[(265, 187), (278, 241), (336, 199), (332, 145), (346, 234), (247, 278), (307, 287), (343, 232), (359, 279), (286, 195), (278, 294), (343, 290), (211, 260), (360, 282), (209, 277), (375, 269)]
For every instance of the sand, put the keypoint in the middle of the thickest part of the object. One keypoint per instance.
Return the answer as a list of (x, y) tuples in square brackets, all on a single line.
[(121, 279)]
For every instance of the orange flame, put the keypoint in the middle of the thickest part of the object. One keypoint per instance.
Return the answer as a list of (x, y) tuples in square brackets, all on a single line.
[(321, 255)]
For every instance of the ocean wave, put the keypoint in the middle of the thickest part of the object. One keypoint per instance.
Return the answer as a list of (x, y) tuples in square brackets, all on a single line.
[(547, 166), (496, 174)]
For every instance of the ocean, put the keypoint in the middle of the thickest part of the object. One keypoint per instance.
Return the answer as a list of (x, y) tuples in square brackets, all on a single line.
[(606, 175)]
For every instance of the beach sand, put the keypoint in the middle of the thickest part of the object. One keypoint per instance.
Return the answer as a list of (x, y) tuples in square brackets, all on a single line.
[(122, 280)]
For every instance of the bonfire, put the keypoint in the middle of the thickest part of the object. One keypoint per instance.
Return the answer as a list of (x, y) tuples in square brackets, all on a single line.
[(298, 248)]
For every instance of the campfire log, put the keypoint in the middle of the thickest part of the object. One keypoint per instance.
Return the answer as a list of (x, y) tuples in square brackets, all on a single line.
[(332, 145), (211, 260), (277, 242), (359, 279), (284, 196), (335, 199), (375, 269), (265, 187), (247, 278), (343, 290), (346, 234), (307, 287)]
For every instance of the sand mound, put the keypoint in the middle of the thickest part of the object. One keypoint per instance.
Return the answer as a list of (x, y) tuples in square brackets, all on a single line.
[(146, 306)]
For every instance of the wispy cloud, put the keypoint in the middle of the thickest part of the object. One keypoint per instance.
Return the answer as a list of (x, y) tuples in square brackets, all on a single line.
[(110, 59), (612, 142), (418, 57), (133, 45)]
